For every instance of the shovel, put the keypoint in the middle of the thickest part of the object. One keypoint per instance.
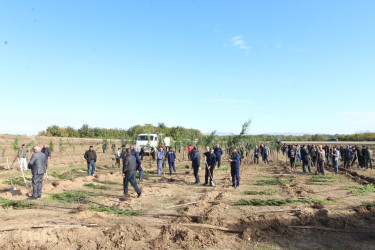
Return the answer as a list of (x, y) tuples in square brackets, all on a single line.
[(213, 182), (12, 188), (48, 180), (24, 179)]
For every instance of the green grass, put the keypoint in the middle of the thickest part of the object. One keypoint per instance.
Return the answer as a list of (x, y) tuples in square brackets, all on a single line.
[(321, 180), (368, 204), (264, 192), (271, 182), (4, 203), (93, 186), (115, 210), (17, 181), (362, 190), (76, 170), (275, 202), (72, 197), (63, 176), (220, 169)]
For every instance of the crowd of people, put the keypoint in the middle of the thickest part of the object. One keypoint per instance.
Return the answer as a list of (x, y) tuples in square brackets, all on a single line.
[(309, 155), (317, 155)]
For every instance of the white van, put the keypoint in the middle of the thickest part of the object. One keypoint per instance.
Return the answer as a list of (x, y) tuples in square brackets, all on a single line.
[(149, 141)]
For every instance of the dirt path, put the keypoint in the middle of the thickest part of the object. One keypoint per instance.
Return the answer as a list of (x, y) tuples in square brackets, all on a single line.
[(215, 220)]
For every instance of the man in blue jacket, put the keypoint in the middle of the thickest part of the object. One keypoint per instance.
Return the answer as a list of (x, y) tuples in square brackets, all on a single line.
[(235, 168), (195, 163), (171, 156), (218, 152), (210, 166), (139, 162)]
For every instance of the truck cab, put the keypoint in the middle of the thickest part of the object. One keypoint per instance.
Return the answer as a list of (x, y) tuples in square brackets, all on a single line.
[(148, 141)]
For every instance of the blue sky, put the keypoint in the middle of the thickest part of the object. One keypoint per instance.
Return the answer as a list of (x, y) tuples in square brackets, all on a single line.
[(290, 66)]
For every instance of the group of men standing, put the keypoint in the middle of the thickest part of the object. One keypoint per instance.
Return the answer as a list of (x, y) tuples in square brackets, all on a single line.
[(213, 157), (317, 155)]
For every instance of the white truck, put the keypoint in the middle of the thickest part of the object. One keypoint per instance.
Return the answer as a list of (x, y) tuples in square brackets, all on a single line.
[(149, 141)]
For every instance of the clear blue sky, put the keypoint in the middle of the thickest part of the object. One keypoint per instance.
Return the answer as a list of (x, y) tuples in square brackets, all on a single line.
[(291, 66)]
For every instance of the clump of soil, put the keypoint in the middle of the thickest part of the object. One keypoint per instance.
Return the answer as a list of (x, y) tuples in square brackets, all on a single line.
[(81, 208), (55, 183), (317, 205), (96, 176), (187, 166), (124, 198), (187, 172)]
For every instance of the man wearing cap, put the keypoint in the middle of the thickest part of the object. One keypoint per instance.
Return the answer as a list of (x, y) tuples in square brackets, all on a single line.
[(171, 156)]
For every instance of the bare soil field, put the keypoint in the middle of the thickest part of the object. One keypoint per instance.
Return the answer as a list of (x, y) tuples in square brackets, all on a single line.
[(273, 208)]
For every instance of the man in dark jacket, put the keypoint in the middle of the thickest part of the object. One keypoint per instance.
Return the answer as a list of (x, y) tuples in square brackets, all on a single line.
[(218, 152), (91, 158), (37, 165), (195, 163), (139, 163), (171, 156), (47, 153), (210, 166), (305, 158), (347, 155), (129, 173), (235, 168)]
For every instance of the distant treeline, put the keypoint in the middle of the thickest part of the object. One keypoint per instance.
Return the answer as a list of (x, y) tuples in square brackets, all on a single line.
[(317, 137), (181, 133), (88, 132)]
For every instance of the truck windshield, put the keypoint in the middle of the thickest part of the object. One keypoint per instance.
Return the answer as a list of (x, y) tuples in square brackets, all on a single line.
[(145, 138)]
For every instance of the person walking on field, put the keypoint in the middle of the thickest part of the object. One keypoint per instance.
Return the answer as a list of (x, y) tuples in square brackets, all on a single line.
[(292, 158), (305, 158), (129, 173), (139, 162), (196, 163), (210, 166), (256, 154), (218, 153), (91, 158), (235, 168), (321, 157), (171, 157), (38, 169), (160, 160), (117, 157), (47, 152), (335, 159), (22, 154)]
